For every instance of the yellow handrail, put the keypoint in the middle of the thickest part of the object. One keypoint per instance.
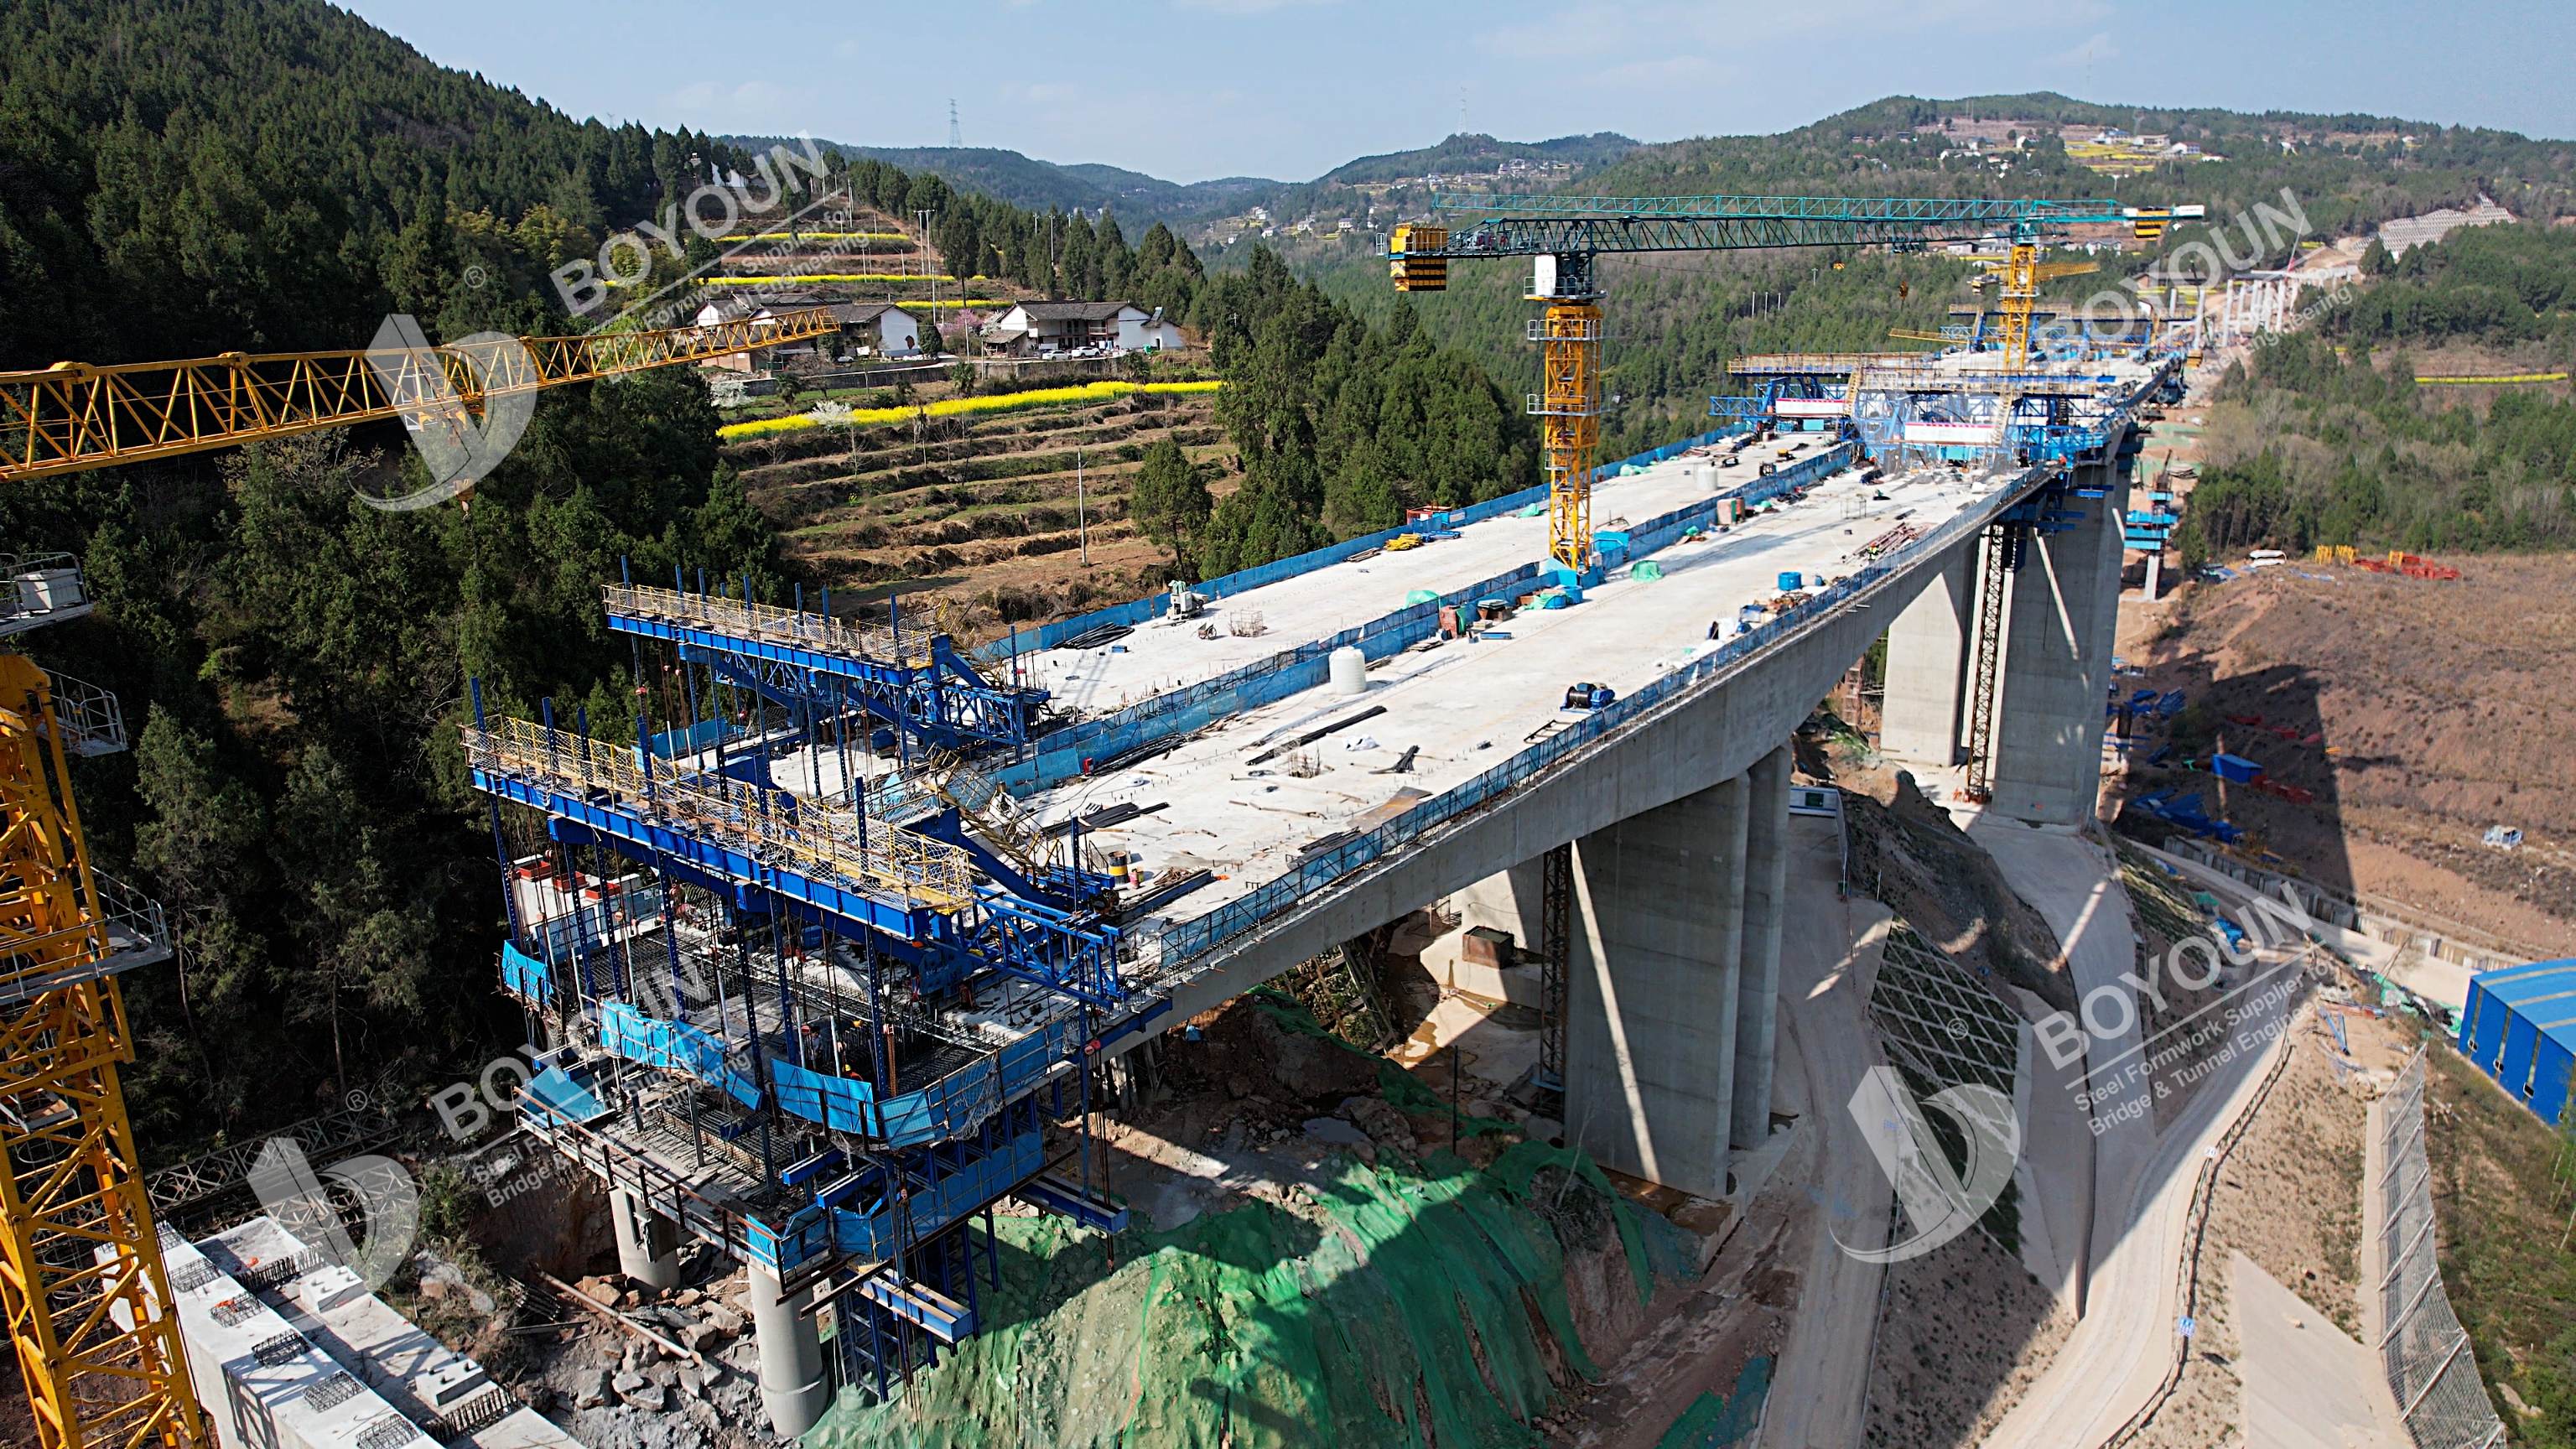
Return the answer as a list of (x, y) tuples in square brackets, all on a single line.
[(793, 627)]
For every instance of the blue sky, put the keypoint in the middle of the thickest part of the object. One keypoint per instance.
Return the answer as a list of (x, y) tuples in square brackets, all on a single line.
[(1189, 89)]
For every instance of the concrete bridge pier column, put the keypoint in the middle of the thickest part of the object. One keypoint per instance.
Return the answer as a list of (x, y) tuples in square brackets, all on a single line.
[(792, 1387), (648, 1244), (1766, 892), (1653, 989), (2060, 628), (1927, 667)]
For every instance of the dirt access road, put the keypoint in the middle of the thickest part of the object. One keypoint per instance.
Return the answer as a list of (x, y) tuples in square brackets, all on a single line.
[(2122, 1346)]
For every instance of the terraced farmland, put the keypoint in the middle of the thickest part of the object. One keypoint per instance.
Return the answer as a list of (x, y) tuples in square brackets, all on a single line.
[(981, 510)]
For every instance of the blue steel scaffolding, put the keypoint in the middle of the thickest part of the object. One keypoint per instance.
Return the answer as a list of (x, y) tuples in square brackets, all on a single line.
[(825, 1043)]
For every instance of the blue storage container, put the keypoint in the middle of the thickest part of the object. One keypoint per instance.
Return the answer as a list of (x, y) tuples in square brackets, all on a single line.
[(2235, 768), (1789, 580)]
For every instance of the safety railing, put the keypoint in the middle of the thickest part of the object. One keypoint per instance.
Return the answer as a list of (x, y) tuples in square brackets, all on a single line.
[(129, 930), (1185, 943), (780, 829), (798, 628), (1137, 611), (2431, 1365), (91, 721)]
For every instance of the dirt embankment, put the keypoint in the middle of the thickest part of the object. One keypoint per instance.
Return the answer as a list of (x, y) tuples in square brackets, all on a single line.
[(1907, 852), (2416, 713)]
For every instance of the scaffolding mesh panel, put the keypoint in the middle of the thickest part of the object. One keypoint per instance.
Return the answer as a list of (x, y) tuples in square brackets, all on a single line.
[(2430, 1365)]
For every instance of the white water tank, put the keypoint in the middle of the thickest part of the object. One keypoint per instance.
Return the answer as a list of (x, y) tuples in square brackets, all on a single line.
[(1348, 669)]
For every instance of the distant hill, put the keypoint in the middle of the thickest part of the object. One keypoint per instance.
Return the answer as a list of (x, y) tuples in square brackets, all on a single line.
[(1134, 196), (1469, 152), (1038, 185)]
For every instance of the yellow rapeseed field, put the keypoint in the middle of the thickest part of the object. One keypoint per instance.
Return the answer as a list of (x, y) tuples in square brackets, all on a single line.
[(953, 407)]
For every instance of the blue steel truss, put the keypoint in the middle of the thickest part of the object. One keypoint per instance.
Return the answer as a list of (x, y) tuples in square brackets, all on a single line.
[(920, 685), (1069, 952)]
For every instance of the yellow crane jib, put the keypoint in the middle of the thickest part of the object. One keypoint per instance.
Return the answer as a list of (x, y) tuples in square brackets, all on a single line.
[(74, 416)]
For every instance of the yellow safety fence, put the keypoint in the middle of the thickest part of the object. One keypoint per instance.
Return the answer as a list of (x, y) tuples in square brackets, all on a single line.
[(2495, 380), (804, 837), (762, 281), (962, 406)]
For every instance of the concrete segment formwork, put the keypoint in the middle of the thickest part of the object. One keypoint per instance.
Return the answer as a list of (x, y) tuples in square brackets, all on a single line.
[(2060, 628), (1652, 990), (1927, 657), (1766, 893)]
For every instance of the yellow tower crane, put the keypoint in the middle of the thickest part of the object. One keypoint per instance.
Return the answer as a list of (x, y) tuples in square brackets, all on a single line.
[(80, 1261), (2021, 271), (82, 1288)]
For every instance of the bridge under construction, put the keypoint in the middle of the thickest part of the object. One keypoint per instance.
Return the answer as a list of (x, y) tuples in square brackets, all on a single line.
[(822, 971)]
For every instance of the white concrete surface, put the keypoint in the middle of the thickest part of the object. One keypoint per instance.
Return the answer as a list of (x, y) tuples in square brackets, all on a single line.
[(1469, 706), (2072, 881), (2305, 1383), (2118, 1350), (1165, 654), (1829, 950)]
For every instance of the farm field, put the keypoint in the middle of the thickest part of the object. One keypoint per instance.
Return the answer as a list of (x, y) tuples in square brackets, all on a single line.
[(984, 511)]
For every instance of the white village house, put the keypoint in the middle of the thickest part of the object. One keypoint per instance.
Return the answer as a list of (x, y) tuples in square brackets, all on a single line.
[(868, 329), (1039, 329)]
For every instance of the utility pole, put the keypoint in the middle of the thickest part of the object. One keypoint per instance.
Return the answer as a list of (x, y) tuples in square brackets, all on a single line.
[(928, 217), (1081, 514)]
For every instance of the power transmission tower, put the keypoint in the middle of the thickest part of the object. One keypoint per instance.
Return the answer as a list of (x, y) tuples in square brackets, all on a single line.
[(955, 138)]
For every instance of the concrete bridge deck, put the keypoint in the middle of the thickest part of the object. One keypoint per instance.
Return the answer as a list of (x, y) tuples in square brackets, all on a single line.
[(1465, 706)]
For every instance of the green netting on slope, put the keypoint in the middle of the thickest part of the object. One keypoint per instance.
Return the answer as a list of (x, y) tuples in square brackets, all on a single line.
[(1714, 1423), (1403, 1300)]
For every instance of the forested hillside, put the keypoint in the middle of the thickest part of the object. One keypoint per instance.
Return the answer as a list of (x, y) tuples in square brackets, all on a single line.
[(1674, 319), (178, 179), (2327, 438)]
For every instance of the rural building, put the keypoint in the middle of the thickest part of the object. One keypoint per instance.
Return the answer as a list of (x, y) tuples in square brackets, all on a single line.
[(882, 328), (760, 305), (1032, 329), (2520, 1028)]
